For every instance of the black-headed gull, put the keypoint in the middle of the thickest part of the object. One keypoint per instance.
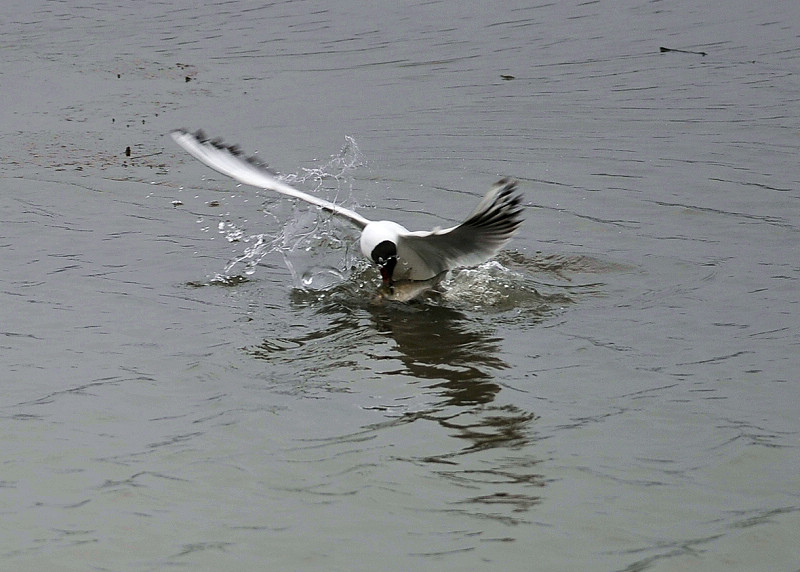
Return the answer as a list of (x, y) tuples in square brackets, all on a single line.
[(400, 254)]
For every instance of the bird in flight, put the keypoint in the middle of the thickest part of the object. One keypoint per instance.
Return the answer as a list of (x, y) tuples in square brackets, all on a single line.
[(401, 255)]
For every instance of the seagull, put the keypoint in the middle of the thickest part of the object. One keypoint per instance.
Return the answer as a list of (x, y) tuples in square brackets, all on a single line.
[(401, 255)]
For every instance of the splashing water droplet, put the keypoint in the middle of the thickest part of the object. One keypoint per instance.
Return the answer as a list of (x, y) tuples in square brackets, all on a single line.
[(308, 241)]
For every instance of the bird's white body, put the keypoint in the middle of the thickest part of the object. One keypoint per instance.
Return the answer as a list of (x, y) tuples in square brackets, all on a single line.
[(399, 253)]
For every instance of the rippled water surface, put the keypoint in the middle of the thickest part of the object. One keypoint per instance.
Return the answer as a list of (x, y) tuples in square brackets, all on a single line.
[(196, 374)]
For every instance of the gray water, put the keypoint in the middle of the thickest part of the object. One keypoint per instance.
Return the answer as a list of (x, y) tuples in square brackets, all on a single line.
[(193, 373)]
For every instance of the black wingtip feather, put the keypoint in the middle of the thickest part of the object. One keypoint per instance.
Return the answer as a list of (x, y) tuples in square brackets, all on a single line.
[(235, 150), (502, 217)]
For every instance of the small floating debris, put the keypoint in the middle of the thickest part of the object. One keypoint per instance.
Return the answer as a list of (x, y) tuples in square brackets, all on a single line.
[(224, 280), (663, 49), (177, 203), (127, 151), (213, 203), (507, 77)]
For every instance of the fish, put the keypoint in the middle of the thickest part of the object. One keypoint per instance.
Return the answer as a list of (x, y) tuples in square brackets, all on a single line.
[(407, 290)]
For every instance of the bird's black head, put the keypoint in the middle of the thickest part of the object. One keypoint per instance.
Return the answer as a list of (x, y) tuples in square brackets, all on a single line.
[(385, 256)]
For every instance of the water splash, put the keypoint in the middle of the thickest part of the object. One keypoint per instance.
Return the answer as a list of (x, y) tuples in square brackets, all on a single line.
[(306, 237), (511, 284), (493, 286), (540, 284)]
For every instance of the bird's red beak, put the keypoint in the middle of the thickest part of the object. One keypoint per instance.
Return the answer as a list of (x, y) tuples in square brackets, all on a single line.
[(387, 278)]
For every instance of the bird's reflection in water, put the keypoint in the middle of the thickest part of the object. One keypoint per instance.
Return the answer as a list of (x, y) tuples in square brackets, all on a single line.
[(482, 445), (456, 356), (440, 344), (461, 357)]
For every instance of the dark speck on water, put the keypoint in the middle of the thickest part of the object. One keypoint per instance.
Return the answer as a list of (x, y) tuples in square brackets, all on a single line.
[(676, 50)]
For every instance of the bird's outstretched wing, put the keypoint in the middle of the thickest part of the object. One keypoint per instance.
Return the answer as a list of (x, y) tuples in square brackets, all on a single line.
[(490, 226), (230, 161)]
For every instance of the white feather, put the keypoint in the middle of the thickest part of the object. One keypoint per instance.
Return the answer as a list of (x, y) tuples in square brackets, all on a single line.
[(228, 161)]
